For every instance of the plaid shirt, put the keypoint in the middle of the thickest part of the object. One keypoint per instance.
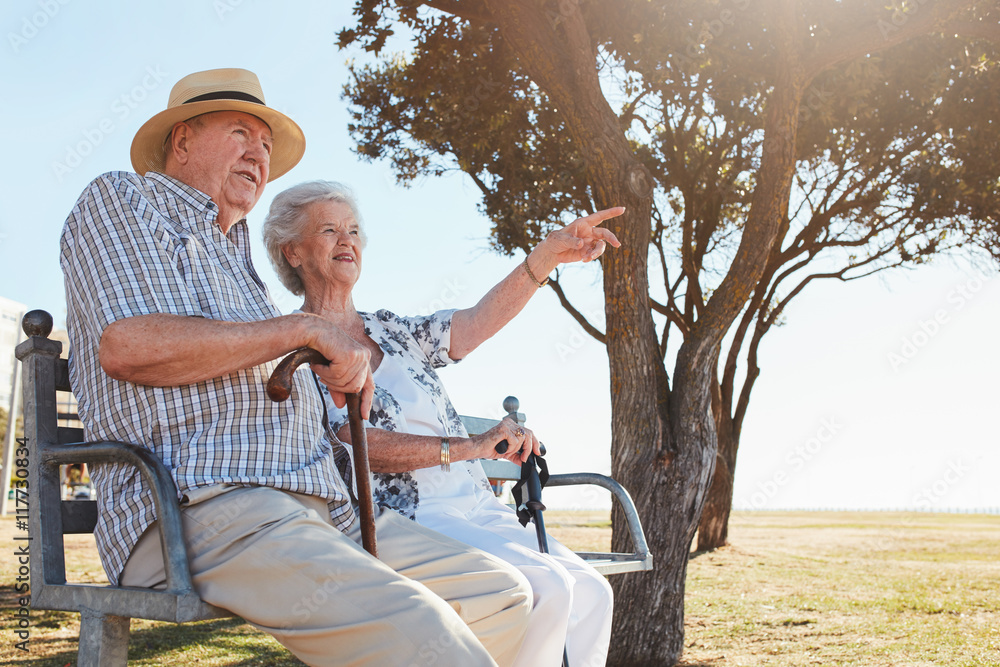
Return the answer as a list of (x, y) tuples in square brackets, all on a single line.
[(139, 245)]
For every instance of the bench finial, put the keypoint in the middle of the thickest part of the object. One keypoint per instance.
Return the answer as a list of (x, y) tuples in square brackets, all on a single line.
[(511, 404), (37, 323)]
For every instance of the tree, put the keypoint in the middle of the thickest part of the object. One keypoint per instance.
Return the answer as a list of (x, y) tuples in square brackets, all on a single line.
[(758, 145), (19, 427)]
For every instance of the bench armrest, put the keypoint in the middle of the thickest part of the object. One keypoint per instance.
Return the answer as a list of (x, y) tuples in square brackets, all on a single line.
[(161, 485), (612, 563)]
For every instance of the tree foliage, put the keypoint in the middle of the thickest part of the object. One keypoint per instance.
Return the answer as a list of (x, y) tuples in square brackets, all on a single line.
[(19, 427), (759, 145)]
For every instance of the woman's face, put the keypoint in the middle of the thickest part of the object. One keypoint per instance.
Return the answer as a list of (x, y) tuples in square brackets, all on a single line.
[(330, 248)]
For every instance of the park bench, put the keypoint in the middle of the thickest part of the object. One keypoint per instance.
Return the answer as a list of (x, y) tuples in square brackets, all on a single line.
[(604, 562), (105, 611)]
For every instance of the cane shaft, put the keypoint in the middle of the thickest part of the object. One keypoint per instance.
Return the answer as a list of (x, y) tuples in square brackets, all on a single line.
[(536, 507), (279, 388), (362, 474)]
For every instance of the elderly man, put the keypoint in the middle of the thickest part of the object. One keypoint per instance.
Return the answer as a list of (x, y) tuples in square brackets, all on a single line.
[(173, 338)]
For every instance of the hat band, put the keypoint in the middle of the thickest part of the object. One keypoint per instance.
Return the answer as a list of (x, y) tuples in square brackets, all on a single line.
[(226, 95)]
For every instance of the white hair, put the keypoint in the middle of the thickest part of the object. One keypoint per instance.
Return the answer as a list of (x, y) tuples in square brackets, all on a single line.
[(287, 218)]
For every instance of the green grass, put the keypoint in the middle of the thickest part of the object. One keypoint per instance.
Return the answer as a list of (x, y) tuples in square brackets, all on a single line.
[(858, 589), (791, 589)]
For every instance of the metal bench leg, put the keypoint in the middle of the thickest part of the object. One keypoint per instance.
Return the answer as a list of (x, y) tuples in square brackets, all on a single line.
[(103, 640)]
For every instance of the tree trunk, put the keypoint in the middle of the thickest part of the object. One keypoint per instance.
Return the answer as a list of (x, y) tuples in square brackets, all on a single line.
[(667, 461), (713, 529), (663, 438), (649, 606), (668, 483)]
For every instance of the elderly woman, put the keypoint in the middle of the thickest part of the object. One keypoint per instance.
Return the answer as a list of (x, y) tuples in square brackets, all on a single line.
[(425, 464)]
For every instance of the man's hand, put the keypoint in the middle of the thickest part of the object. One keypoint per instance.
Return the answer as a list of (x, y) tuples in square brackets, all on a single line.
[(349, 370)]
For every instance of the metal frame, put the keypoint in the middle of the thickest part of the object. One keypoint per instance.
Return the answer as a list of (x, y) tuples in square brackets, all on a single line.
[(105, 610), (606, 563)]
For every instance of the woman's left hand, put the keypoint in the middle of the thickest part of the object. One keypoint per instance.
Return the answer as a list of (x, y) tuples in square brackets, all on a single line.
[(521, 441)]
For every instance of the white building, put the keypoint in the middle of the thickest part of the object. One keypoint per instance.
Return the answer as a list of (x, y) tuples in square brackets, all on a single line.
[(10, 332)]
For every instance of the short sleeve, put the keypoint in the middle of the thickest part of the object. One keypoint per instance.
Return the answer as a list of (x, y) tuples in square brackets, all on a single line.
[(433, 336), (118, 258)]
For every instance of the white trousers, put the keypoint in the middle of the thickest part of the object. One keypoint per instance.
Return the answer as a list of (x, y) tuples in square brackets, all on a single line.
[(572, 601)]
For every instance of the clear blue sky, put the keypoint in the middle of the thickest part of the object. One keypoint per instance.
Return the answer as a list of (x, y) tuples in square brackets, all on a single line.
[(835, 421)]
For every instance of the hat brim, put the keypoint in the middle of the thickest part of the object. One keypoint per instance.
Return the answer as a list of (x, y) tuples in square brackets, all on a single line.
[(148, 147)]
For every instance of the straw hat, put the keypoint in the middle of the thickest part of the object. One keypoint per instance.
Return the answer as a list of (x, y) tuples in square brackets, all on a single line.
[(217, 90)]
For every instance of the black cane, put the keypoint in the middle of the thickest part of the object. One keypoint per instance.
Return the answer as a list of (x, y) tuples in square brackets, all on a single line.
[(534, 505)]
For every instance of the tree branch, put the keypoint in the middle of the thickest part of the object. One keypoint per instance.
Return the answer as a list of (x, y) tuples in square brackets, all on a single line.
[(883, 32), (974, 29), (577, 315)]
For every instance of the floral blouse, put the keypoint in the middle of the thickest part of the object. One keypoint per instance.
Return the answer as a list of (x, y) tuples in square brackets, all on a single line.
[(414, 347)]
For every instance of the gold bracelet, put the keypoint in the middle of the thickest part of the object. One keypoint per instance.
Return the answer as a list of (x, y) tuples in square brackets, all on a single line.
[(445, 455), (532, 275)]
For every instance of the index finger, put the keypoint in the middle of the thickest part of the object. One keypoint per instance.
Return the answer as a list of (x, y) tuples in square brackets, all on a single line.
[(597, 218)]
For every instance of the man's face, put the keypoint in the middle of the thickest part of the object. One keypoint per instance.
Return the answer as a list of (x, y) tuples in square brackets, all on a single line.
[(229, 154)]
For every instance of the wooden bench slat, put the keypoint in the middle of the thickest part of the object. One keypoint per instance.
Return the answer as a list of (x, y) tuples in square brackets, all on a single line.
[(79, 517), (68, 435)]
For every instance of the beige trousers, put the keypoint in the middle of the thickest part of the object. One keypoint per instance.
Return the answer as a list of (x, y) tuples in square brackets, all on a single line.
[(273, 558)]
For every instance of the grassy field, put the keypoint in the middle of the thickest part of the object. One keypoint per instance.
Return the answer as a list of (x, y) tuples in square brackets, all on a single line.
[(866, 589)]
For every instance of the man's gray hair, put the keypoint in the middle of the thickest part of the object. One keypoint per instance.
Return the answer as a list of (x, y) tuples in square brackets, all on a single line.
[(286, 220)]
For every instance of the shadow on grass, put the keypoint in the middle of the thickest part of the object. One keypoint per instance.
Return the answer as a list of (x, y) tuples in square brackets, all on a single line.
[(695, 554), (222, 637), (228, 641)]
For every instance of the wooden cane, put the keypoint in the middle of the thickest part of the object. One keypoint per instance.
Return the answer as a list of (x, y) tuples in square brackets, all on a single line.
[(279, 387)]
